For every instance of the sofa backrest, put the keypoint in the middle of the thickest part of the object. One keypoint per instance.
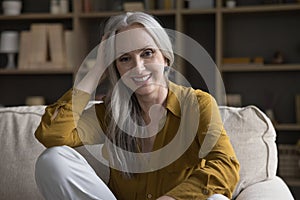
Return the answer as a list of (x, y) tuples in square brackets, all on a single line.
[(18, 151), (253, 138)]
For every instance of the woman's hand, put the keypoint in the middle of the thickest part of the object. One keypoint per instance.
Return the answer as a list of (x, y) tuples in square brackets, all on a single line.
[(165, 198), (91, 80)]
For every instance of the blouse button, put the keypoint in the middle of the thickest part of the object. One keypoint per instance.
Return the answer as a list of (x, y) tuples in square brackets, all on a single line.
[(205, 191), (149, 196)]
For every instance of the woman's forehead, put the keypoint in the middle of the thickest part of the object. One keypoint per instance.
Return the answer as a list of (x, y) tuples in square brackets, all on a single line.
[(133, 38)]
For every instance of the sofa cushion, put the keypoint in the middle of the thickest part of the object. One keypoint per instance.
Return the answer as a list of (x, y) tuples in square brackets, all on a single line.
[(253, 138), (267, 190), (19, 150)]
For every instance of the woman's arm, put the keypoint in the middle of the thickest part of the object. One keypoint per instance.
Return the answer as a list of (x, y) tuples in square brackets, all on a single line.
[(90, 82), (65, 122)]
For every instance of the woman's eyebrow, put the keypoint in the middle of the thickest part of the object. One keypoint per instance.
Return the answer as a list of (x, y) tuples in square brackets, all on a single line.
[(139, 50)]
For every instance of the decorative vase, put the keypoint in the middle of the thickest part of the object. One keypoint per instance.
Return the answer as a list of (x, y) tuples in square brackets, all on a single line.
[(230, 4), (11, 7)]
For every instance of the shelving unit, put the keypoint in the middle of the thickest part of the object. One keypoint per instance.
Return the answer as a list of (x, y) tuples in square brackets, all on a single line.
[(244, 31), (287, 127), (263, 28), (36, 71), (17, 84), (259, 68), (31, 16), (274, 24), (262, 8)]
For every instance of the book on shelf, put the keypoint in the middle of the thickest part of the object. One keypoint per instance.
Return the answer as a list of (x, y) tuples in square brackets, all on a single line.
[(43, 47), (150, 4), (38, 49), (243, 61), (24, 53), (237, 60), (133, 6), (70, 48), (166, 4), (169, 4), (87, 6), (95, 5), (56, 44), (196, 4)]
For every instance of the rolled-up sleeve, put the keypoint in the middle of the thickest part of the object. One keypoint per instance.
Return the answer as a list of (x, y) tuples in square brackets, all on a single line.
[(67, 123)]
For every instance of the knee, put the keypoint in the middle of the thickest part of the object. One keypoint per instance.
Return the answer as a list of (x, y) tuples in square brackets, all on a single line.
[(49, 156), (217, 197), (51, 161)]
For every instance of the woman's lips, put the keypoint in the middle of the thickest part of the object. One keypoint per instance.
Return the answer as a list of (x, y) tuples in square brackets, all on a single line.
[(140, 80)]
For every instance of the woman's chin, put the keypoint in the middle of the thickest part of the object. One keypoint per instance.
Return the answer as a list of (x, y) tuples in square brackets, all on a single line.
[(145, 90)]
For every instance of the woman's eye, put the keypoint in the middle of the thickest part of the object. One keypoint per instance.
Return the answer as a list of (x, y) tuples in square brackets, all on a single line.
[(147, 53), (124, 59)]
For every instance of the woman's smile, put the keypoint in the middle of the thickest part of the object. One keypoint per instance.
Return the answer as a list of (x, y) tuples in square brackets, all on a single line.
[(141, 80)]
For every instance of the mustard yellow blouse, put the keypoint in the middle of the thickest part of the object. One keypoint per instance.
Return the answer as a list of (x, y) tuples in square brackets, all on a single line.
[(194, 175)]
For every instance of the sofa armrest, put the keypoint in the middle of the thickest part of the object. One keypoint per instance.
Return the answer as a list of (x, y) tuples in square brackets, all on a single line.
[(273, 189)]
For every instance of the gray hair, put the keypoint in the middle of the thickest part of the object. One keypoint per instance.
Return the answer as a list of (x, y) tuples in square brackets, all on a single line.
[(117, 96)]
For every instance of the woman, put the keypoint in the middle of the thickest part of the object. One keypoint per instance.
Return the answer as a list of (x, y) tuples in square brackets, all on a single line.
[(142, 115)]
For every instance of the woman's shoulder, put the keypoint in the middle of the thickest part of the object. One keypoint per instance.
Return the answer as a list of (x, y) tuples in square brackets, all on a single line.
[(201, 94), (188, 90)]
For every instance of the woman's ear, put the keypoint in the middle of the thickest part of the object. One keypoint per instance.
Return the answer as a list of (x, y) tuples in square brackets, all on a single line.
[(167, 62)]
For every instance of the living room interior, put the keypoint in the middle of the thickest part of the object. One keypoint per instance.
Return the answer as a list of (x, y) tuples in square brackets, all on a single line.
[(254, 44)]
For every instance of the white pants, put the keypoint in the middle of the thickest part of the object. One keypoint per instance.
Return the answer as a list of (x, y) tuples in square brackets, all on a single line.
[(63, 173)]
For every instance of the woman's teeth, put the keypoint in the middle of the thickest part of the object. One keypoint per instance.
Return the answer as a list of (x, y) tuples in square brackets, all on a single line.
[(141, 79)]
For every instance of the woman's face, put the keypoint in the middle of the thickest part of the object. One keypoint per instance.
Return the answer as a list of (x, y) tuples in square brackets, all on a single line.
[(139, 61)]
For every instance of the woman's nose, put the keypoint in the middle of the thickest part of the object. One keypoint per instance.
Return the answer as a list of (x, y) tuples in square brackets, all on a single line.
[(139, 64)]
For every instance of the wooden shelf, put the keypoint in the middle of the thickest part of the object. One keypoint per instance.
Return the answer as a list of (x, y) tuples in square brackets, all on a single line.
[(106, 14), (260, 68), (103, 14), (198, 11), (32, 16), (162, 12), (35, 71), (262, 8), (287, 127)]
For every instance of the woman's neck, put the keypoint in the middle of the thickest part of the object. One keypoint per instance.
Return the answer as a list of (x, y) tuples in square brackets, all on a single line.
[(157, 99), (153, 110)]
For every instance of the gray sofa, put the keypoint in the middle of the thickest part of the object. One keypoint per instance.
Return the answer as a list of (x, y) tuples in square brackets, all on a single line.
[(251, 133)]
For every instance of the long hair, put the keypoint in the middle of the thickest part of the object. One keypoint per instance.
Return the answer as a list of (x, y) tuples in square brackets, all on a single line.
[(122, 107)]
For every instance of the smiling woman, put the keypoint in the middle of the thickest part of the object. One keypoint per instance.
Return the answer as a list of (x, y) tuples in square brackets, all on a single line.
[(153, 130)]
